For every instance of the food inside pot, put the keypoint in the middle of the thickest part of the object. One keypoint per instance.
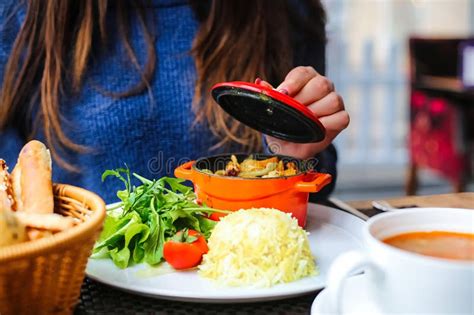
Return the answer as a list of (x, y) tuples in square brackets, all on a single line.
[(252, 168)]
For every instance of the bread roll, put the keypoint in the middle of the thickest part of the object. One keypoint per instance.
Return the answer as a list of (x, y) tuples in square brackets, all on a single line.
[(46, 221), (36, 234), (31, 179), (11, 230), (6, 190)]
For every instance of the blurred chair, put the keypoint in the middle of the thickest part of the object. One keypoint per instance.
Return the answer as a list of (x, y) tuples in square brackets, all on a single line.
[(441, 113)]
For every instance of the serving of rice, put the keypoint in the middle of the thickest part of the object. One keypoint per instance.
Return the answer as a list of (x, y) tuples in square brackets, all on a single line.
[(258, 248)]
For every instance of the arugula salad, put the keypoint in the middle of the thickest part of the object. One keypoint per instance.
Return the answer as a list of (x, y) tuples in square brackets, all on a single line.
[(148, 216)]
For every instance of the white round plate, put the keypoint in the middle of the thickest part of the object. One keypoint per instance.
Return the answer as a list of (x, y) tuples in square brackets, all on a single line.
[(332, 232)]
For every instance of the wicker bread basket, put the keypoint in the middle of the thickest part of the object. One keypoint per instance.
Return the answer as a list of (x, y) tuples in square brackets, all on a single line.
[(45, 276)]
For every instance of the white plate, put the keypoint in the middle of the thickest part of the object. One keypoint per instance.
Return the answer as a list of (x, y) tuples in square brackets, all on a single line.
[(332, 232)]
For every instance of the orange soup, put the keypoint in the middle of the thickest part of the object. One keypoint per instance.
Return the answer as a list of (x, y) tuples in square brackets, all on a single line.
[(450, 245)]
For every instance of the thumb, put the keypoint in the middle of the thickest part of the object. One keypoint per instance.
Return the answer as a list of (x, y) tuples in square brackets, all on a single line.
[(259, 81)]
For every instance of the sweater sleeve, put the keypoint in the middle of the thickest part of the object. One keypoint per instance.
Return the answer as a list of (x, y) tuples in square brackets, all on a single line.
[(327, 161), (10, 21), (11, 14), (10, 146)]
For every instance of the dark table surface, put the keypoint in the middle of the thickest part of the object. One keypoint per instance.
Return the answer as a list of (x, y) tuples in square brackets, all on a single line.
[(97, 298)]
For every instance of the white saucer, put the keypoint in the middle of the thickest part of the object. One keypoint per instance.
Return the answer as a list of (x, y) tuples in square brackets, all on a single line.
[(355, 299)]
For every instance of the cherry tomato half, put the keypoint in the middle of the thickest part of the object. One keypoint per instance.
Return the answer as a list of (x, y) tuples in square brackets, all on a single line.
[(216, 216), (185, 249)]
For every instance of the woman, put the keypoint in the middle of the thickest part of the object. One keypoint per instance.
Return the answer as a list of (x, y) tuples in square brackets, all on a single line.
[(104, 83)]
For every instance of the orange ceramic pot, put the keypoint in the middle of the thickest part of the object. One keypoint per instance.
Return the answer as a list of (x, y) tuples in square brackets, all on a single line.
[(289, 194)]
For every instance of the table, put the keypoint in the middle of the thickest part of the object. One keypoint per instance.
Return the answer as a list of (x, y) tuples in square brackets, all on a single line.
[(459, 200), (97, 298)]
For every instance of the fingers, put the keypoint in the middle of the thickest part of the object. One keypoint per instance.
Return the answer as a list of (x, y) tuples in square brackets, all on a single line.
[(336, 122), (264, 83), (316, 89), (305, 85), (296, 79), (333, 123), (328, 105)]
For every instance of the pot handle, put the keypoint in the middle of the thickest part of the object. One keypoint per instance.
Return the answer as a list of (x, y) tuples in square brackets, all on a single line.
[(320, 180), (184, 171)]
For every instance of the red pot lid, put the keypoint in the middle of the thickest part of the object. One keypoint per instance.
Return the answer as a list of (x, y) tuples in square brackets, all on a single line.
[(269, 111)]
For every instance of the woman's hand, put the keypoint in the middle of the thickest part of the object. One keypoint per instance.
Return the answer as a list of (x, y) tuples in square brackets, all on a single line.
[(315, 91)]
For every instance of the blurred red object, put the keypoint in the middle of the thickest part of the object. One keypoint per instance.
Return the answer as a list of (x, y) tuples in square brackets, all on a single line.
[(441, 113), (434, 138)]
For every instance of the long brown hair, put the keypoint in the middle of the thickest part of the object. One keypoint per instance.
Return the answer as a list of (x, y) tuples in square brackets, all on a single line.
[(237, 40)]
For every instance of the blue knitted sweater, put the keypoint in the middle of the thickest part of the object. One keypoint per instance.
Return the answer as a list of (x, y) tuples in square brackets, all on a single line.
[(152, 135)]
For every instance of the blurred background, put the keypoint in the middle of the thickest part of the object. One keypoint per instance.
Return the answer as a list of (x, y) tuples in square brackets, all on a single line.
[(405, 69)]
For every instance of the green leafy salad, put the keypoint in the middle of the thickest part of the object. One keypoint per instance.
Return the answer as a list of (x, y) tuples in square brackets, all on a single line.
[(147, 216)]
